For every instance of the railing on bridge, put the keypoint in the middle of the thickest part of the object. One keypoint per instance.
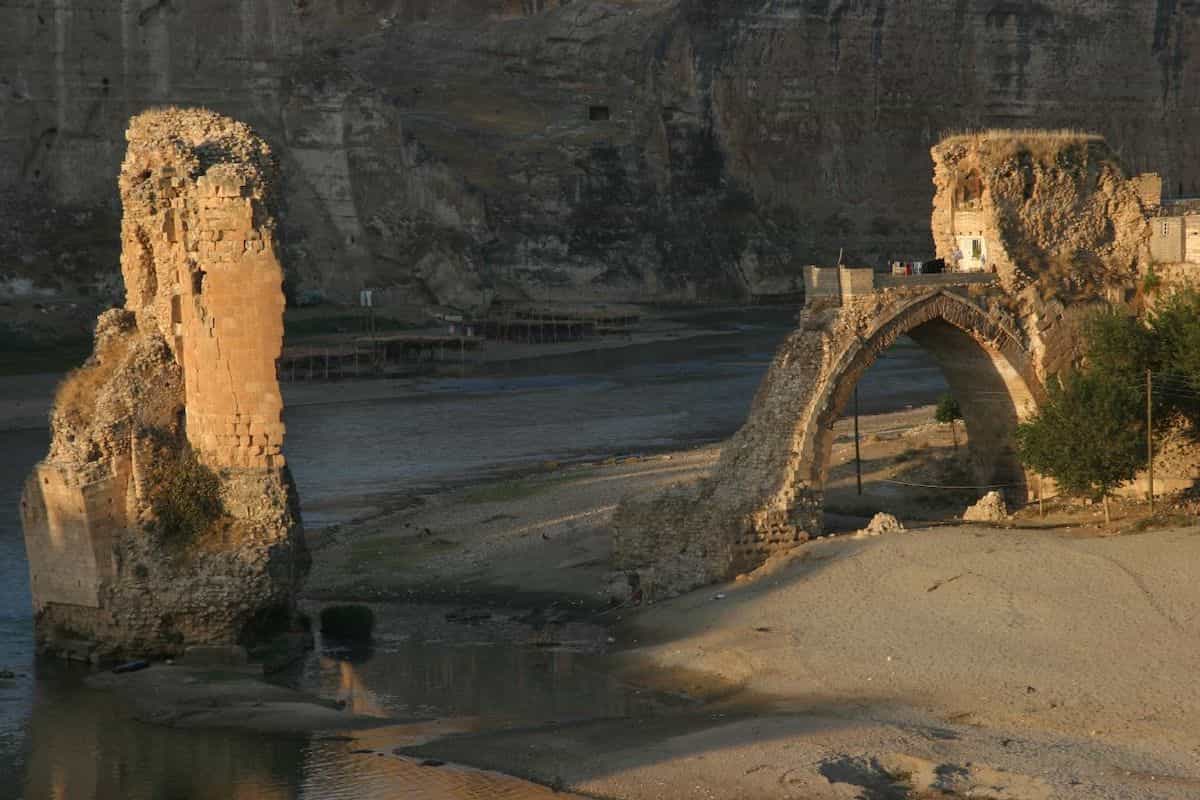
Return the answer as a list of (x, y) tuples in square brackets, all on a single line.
[(936, 279), (842, 283)]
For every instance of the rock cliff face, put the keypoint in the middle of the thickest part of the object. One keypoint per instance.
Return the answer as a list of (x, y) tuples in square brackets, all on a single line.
[(645, 149), (163, 515)]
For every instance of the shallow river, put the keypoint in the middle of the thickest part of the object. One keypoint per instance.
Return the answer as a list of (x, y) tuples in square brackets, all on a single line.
[(355, 445)]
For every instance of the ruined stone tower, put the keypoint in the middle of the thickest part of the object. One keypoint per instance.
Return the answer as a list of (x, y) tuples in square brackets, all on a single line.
[(204, 230), (185, 373)]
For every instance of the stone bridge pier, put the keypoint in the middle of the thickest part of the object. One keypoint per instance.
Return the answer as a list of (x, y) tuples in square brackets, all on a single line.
[(766, 494)]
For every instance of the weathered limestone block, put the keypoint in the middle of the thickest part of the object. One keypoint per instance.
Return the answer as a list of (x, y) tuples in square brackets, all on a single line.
[(880, 524), (188, 366)]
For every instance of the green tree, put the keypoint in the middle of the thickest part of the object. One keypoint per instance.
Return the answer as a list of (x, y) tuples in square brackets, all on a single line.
[(1120, 345), (1089, 436), (948, 410), (1175, 330)]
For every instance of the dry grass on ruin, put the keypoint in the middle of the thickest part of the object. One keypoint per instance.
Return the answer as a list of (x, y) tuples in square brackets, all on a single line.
[(78, 391), (1004, 142), (1054, 136)]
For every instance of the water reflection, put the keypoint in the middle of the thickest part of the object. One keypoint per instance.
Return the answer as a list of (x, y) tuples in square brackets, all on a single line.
[(83, 745), (493, 684), (370, 771)]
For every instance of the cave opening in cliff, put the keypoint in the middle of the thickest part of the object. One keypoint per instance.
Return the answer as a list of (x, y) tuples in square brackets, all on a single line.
[(969, 193)]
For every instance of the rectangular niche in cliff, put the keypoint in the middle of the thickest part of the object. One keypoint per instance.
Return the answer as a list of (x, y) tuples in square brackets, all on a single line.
[(598, 113)]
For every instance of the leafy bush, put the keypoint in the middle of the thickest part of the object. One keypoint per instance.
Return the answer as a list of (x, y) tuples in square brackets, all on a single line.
[(351, 622), (1119, 345), (188, 499), (1087, 435), (948, 410), (1167, 343), (1151, 283), (1090, 435)]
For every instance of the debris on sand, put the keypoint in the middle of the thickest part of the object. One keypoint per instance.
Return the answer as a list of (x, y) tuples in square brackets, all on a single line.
[(991, 508), (880, 524)]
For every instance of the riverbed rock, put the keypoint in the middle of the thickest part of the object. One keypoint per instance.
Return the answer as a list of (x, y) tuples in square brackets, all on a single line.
[(990, 508), (164, 514)]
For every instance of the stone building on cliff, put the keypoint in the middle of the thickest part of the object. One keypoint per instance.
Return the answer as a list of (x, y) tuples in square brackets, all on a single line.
[(183, 374)]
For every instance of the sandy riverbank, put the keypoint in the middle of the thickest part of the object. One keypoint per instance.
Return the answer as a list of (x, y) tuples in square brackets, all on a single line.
[(984, 662), (1033, 659)]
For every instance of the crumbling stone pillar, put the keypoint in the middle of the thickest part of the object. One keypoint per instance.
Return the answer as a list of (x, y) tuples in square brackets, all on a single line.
[(184, 373), (200, 260)]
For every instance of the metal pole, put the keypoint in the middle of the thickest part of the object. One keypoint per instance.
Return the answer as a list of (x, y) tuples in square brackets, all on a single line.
[(857, 452), (1150, 435)]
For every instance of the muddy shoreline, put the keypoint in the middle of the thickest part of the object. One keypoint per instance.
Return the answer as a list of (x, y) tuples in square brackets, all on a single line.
[(937, 676)]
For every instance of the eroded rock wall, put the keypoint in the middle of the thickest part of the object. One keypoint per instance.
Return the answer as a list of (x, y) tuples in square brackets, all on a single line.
[(184, 372), (1055, 216), (448, 147)]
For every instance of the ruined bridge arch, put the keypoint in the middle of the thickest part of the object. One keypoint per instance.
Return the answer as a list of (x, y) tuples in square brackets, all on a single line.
[(766, 494), (984, 361)]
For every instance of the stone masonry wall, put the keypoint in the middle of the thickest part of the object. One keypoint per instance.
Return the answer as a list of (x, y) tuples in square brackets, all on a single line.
[(211, 240)]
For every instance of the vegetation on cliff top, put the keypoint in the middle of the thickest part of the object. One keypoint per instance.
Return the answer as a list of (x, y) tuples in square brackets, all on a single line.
[(1011, 140)]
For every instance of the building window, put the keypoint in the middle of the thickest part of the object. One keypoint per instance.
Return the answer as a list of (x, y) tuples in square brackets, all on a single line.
[(1166, 230), (976, 248), (598, 113)]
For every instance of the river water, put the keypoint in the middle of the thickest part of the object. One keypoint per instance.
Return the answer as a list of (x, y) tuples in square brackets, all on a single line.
[(354, 446)]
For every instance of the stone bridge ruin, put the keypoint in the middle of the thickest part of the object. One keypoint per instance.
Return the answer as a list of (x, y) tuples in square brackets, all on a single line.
[(185, 369), (1040, 228)]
